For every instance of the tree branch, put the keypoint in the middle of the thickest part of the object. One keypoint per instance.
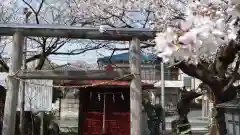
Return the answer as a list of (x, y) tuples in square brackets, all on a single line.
[(4, 65), (40, 6), (226, 55), (198, 71), (33, 10), (41, 62), (234, 74), (36, 13), (118, 17), (148, 15), (80, 51), (183, 106), (37, 56)]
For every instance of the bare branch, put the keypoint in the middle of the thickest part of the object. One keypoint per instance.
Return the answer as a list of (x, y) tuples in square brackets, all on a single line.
[(33, 10), (40, 6), (147, 18), (118, 17), (4, 65), (41, 62), (37, 56), (80, 51), (35, 40), (36, 13)]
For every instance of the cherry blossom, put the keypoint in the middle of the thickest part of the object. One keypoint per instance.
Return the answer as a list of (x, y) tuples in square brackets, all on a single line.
[(207, 25)]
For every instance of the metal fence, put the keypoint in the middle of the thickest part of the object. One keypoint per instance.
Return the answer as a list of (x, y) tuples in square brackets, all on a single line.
[(156, 75), (152, 73)]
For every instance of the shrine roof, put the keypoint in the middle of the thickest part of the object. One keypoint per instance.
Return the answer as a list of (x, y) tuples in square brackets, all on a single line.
[(125, 57), (230, 104)]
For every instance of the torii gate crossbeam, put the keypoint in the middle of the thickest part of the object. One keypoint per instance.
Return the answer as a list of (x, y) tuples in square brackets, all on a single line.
[(63, 31), (18, 31)]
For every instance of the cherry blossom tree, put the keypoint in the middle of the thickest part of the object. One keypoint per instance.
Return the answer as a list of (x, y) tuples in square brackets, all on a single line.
[(201, 37), (45, 12), (124, 14), (205, 45)]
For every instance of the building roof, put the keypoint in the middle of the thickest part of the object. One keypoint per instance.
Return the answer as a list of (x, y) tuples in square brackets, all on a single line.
[(68, 67), (78, 65), (230, 104), (124, 57)]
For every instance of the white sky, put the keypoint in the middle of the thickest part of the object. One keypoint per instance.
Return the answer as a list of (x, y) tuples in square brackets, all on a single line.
[(90, 56)]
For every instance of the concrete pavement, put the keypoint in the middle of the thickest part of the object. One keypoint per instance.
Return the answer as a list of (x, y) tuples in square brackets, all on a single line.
[(194, 117), (197, 125)]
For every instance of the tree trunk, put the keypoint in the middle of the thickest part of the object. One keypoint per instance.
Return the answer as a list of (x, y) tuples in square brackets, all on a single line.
[(221, 121), (145, 130), (41, 63), (218, 126), (218, 95)]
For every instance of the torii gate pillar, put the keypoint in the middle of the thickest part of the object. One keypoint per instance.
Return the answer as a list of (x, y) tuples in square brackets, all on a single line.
[(13, 85), (135, 87)]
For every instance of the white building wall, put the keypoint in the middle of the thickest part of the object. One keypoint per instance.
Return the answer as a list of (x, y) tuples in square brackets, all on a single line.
[(168, 83), (69, 108), (194, 81), (172, 83), (38, 94)]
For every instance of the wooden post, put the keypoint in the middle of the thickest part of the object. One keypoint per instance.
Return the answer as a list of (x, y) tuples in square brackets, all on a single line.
[(81, 101), (79, 113), (104, 115), (163, 96), (22, 105), (42, 123), (60, 106), (204, 114), (135, 87), (13, 86)]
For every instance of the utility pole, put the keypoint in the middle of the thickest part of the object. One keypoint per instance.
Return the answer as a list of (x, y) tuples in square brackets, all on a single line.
[(13, 85), (163, 95), (135, 87), (22, 109)]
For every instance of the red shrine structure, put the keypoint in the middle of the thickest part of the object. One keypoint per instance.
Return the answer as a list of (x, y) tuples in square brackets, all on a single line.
[(104, 109)]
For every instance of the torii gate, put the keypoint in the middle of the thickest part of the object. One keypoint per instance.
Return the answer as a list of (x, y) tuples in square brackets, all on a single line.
[(18, 31)]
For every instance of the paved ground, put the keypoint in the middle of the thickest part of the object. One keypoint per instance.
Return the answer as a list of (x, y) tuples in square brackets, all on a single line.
[(194, 118), (197, 124)]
